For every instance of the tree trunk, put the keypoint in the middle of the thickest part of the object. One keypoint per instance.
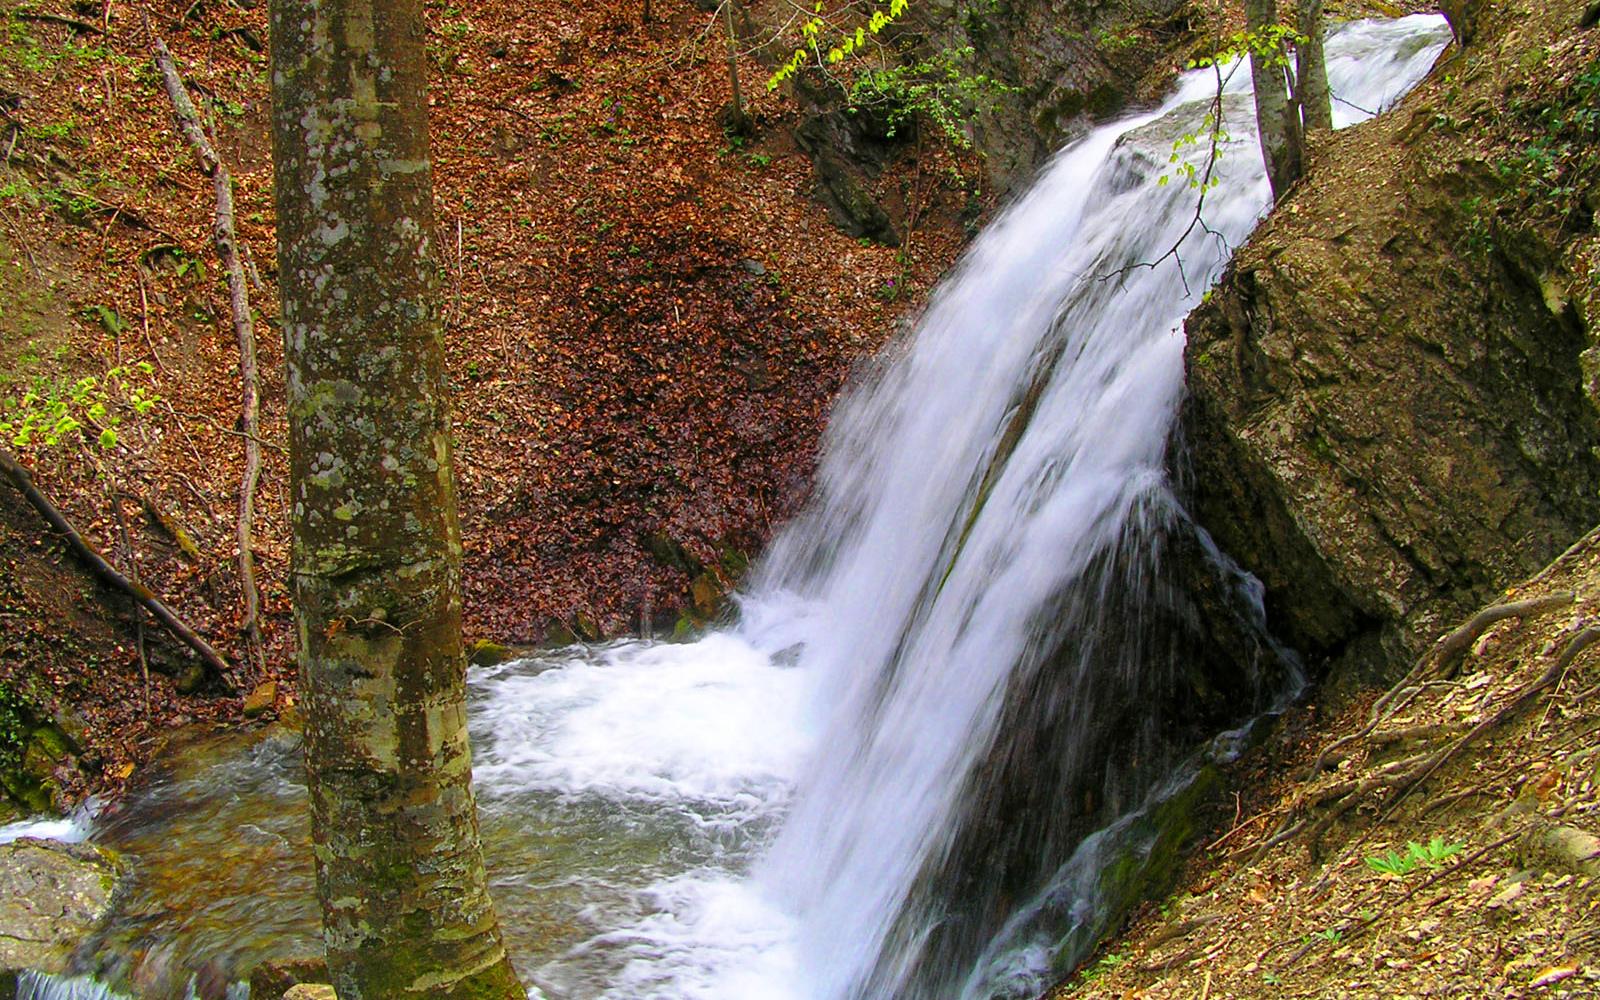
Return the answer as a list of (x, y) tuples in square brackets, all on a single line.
[(1277, 119), (377, 549), (1311, 70)]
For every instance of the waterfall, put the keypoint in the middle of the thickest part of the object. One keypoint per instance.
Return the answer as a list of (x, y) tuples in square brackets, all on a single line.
[(965, 687), (1012, 635)]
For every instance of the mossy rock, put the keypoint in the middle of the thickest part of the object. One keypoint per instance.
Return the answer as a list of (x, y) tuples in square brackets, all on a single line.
[(53, 896), (668, 552), (558, 635), (588, 629), (707, 592), (483, 653), (1146, 864)]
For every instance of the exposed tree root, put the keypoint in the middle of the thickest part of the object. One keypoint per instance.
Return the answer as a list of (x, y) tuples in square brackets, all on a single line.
[(1315, 811), (1442, 657)]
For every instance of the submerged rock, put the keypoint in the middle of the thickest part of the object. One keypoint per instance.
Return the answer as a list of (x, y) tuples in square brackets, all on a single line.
[(52, 896), (277, 979)]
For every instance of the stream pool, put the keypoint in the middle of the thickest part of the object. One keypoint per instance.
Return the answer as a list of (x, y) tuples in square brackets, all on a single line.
[(623, 790)]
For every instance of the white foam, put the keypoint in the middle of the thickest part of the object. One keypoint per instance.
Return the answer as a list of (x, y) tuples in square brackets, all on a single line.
[(716, 721), (71, 829)]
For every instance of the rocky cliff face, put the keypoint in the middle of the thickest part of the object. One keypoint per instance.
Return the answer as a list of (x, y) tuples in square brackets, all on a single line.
[(1054, 66), (1069, 62), (1393, 394)]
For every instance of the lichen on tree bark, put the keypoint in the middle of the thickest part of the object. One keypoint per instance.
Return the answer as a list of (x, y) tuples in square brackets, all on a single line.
[(377, 551)]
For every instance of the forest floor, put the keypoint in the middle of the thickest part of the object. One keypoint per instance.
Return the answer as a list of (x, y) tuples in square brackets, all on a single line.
[(647, 322)]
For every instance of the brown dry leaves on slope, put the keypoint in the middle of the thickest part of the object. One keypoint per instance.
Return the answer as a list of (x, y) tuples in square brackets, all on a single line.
[(646, 320)]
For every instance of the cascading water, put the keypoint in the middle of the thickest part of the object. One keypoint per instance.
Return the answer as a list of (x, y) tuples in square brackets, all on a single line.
[(960, 683)]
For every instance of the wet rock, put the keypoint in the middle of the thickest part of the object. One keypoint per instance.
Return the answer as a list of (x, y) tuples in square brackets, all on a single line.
[(483, 653), (52, 896), (310, 991), (273, 980), (707, 592), (1386, 422), (258, 701), (847, 153)]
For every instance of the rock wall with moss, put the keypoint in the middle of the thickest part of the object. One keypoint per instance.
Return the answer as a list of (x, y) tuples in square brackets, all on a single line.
[(1018, 79), (1393, 394)]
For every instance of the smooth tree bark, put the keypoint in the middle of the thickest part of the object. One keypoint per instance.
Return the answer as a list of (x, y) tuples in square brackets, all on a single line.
[(376, 545), (1277, 118), (1311, 69)]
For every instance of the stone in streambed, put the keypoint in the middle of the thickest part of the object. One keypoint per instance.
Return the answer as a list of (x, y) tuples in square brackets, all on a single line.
[(262, 698), (52, 896), (484, 653), (274, 980)]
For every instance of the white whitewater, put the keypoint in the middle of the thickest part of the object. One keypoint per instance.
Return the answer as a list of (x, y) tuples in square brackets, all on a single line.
[(785, 810)]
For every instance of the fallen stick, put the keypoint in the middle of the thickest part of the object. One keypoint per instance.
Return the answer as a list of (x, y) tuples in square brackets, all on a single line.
[(69, 22), (227, 244), (150, 602)]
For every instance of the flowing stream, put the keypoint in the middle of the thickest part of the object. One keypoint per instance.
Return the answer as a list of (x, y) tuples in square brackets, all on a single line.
[(959, 683)]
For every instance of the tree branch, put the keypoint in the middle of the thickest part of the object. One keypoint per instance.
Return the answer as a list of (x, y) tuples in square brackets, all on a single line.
[(227, 244), (24, 482)]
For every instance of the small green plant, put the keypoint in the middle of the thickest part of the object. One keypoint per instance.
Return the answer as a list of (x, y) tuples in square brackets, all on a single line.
[(938, 89), (15, 713), (1115, 41), (1107, 962), (52, 131), (847, 44), (49, 411), (758, 160), (187, 264), (1430, 855)]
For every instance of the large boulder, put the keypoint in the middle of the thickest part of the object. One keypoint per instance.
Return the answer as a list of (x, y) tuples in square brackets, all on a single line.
[(52, 896), (1392, 410)]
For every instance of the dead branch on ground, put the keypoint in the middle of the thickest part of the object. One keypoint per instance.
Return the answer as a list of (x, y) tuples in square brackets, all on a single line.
[(102, 568), (244, 330)]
